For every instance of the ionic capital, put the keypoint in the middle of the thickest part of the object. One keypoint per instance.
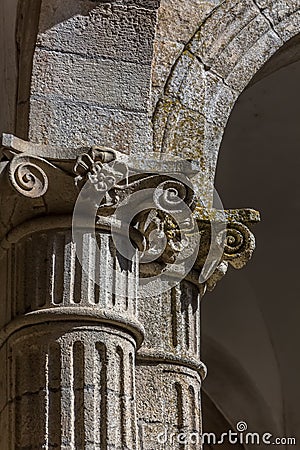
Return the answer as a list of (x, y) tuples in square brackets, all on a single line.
[(151, 202)]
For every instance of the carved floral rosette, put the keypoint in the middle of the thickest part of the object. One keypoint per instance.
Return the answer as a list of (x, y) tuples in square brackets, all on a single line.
[(160, 204)]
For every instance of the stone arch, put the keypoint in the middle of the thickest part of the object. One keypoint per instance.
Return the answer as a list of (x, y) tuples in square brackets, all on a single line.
[(230, 47), (263, 127)]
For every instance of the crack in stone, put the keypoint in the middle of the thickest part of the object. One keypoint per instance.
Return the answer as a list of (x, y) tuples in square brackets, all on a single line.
[(209, 69), (262, 11), (141, 112), (94, 58)]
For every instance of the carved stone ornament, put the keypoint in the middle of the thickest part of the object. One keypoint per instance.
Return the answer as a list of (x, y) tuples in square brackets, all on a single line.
[(159, 207), (233, 240), (167, 226), (154, 200)]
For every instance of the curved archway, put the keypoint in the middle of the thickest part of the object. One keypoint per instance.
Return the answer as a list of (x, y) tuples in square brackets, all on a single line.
[(259, 166), (214, 68)]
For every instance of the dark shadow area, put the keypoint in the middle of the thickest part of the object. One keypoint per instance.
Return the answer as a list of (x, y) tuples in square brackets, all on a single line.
[(286, 55), (58, 11), (254, 313), (214, 418)]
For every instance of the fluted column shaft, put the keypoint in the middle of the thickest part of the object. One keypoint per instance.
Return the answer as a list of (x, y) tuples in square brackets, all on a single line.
[(67, 344), (169, 370), (70, 334)]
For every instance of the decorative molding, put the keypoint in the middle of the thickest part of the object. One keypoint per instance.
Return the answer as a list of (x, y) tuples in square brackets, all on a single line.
[(234, 242), (161, 227), (145, 355), (27, 175), (91, 306), (83, 315), (163, 195)]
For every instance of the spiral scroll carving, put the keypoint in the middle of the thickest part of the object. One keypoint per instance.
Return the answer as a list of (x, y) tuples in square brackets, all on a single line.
[(168, 196), (161, 216), (239, 244), (27, 177)]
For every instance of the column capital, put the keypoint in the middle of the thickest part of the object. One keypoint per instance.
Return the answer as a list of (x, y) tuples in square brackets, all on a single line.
[(226, 238), (169, 220), (35, 181), (152, 196)]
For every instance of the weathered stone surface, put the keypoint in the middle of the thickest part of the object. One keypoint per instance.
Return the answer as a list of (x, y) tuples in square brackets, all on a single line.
[(91, 56), (72, 314), (112, 84), (71, 395), (221, 28), (183, 139), (176, 24), (178, 309), (289, 27), (201, 90), (70, 372), (87, 124), (277, 11), (215, 66), (168, 403), (168, 52), (76, 348), (236, 49), (98, 29), (253, 60)]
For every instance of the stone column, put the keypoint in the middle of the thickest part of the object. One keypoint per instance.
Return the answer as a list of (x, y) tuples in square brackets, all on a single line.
[(77, 302), (169, 369), (67, 342)]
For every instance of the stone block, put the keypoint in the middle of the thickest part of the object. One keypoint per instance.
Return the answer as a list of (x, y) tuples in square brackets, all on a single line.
[(118, 85), (185, 64), (178, 21), (220, 100), (253, 60), (221, 28), (165, 55), (77, 124), (240, 44), (204, 92), (289, 27), (278, 11), (105, 29), (184, 133)]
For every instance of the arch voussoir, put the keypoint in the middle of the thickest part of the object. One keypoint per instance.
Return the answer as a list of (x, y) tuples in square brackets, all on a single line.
[(217, 64)]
